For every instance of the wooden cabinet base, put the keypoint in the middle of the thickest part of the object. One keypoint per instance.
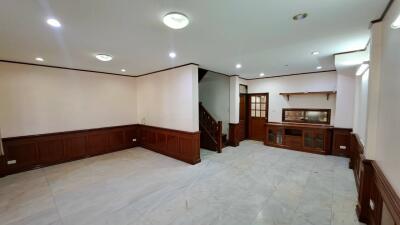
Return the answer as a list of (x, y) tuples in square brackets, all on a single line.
[(35, 151), (300, 137)]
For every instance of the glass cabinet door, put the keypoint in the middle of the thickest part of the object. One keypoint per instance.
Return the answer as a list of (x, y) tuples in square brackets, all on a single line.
[(271, 136), (279, 136), (308, 139)]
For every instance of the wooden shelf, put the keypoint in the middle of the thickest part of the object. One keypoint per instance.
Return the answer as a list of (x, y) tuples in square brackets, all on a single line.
[(327, 93)]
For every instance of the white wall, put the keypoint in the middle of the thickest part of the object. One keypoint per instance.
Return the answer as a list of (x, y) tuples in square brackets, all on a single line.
[(300, 83), (361, 106), (387, 153), (234, 99), (35, 100), (170, 99), (214, 94), (345, 99)]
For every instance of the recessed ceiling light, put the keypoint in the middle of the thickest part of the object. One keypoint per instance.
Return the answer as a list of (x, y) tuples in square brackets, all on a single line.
[(176, 20), (238, 66), (396, 23), (262, 74), (104, 57), (123, 70), (39, 59), (53, 22), (172, 55), (315, 53), (361, 70), (300, 16), (319, 67)]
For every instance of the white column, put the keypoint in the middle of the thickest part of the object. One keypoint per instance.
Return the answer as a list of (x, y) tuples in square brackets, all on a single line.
[(234, 99), (373, 90)]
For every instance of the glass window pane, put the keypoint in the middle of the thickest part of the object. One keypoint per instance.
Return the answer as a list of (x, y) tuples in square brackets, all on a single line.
[(263, 107), (253, 113), (263, 99), (257, 113), (262, 113), (253, 99), (253, 106), (257, 98)]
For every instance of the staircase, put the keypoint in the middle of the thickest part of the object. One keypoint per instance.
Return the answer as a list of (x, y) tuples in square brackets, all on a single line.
[(211, 136)]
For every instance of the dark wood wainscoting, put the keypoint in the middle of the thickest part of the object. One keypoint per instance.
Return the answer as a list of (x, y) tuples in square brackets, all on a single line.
[(184, 146), (29, 152), (35, 151), (234, 134), (341, 141), (378, 202), (2, 166)]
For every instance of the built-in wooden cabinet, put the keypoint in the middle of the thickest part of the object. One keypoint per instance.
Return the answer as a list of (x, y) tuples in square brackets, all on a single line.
[(302, 137)]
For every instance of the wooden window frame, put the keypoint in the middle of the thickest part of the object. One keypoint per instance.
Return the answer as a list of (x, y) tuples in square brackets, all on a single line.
[(328, 111)]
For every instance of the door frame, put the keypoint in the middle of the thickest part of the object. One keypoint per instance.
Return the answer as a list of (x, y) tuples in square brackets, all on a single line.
[(248, 125), (246, 112)]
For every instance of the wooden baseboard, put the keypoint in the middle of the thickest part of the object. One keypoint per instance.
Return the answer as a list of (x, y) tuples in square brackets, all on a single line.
[(234, 134), (35, 151), (376, 196)]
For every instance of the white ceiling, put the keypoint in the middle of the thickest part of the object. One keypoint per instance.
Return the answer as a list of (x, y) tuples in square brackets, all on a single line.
[(259, 34)]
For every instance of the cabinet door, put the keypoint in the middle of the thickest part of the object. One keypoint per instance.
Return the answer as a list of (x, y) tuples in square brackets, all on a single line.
[(319, 140), (308, 139), (279, 136), (271, 135)]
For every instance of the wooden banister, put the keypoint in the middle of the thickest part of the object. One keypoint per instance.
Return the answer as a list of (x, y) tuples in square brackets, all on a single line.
[(210, 127)]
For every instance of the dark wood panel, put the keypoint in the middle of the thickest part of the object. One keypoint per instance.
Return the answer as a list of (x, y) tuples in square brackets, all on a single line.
[(20, 156), (34, 151), (47, 149), (75, 147), (97, 143), (374, 189), (234, 134), (181, 145), (51, 151), (341, 142)]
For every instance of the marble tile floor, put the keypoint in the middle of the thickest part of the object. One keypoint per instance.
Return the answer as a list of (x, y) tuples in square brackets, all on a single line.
[(249, 185)]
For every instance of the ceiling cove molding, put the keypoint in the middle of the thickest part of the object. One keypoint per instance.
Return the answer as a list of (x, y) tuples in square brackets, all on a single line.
[(93, 71), (64, 68), (390, 3), (170, 68), (287, 75)]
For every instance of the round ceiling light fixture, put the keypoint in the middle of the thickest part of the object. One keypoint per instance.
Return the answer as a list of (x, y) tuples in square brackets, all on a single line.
[(315, 53), (172, 55), (176, 20), (319, 67), (300, 16), (53, 22), (104, 57), (123, 70), (238, 66), (40, 59), (262, 74)]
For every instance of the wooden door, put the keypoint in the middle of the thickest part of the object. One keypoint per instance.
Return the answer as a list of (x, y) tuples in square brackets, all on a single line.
[(243, 117), (258, 115)]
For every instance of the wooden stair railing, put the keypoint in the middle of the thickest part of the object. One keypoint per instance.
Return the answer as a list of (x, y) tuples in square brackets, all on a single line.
[(211, 131)]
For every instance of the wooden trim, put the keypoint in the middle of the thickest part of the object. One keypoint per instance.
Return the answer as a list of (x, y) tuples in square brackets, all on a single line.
[(373, 187), (327, 93), (234, 135), (162, 70), (286, 75), (306, 109), (390, 3), (181, 145), (94, 71), (64, 68), (387, 192), (35, 151)]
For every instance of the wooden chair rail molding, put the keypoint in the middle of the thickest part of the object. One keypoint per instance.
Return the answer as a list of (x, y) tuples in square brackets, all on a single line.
[(34, 151), (377, 199)]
